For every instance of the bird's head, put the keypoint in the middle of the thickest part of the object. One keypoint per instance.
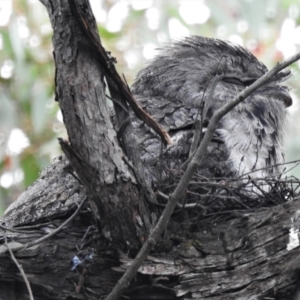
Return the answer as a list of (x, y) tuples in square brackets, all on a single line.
[(184, 69)]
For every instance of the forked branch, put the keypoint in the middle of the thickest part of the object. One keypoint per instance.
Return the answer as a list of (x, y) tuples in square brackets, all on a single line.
[(107, 62)]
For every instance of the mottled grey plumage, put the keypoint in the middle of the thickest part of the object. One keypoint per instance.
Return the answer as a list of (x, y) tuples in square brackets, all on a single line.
[(174, 84)]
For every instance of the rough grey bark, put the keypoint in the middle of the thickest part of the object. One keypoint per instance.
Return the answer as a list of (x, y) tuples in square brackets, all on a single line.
[(242, 255), (80, 91), (245, 257)]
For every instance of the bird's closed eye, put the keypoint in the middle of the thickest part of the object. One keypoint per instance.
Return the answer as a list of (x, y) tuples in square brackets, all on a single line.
[(238, 81)]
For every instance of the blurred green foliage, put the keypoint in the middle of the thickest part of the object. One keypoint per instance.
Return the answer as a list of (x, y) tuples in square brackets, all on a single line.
[(29, 117)]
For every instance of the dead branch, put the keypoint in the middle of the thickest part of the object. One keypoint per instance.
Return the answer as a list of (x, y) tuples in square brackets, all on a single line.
[(51, 234), (19, 267)]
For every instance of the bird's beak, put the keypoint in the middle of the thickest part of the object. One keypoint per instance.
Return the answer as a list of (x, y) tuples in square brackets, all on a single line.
[(285, 97), (282, 95)]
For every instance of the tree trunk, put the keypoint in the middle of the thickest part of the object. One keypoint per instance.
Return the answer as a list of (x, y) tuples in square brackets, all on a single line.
[(243, 255)]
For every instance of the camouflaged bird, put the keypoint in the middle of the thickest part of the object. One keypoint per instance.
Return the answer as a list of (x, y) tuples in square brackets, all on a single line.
[(178, 86)]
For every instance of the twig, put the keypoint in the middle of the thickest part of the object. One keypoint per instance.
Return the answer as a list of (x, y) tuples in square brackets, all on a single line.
[(117, 102), (197, 133), (54, 232), (86, 233), (31, 226), (13, 229), (81, 281), (60, 228), (198, 127), (297, 162), (189, 205), (19, 267), (199, 120), (192, 167)]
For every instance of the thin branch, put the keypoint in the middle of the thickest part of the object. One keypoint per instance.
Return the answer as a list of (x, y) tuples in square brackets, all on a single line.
[(297, 162), (189, 205), (197, 132), (19, 267), (54, 232), (25, 227), (192, 167), (199, 120), (60, 228), (13, 229), (117, 102)]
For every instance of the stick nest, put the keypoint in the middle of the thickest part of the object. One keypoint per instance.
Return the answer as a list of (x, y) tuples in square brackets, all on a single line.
[(207, 198)]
